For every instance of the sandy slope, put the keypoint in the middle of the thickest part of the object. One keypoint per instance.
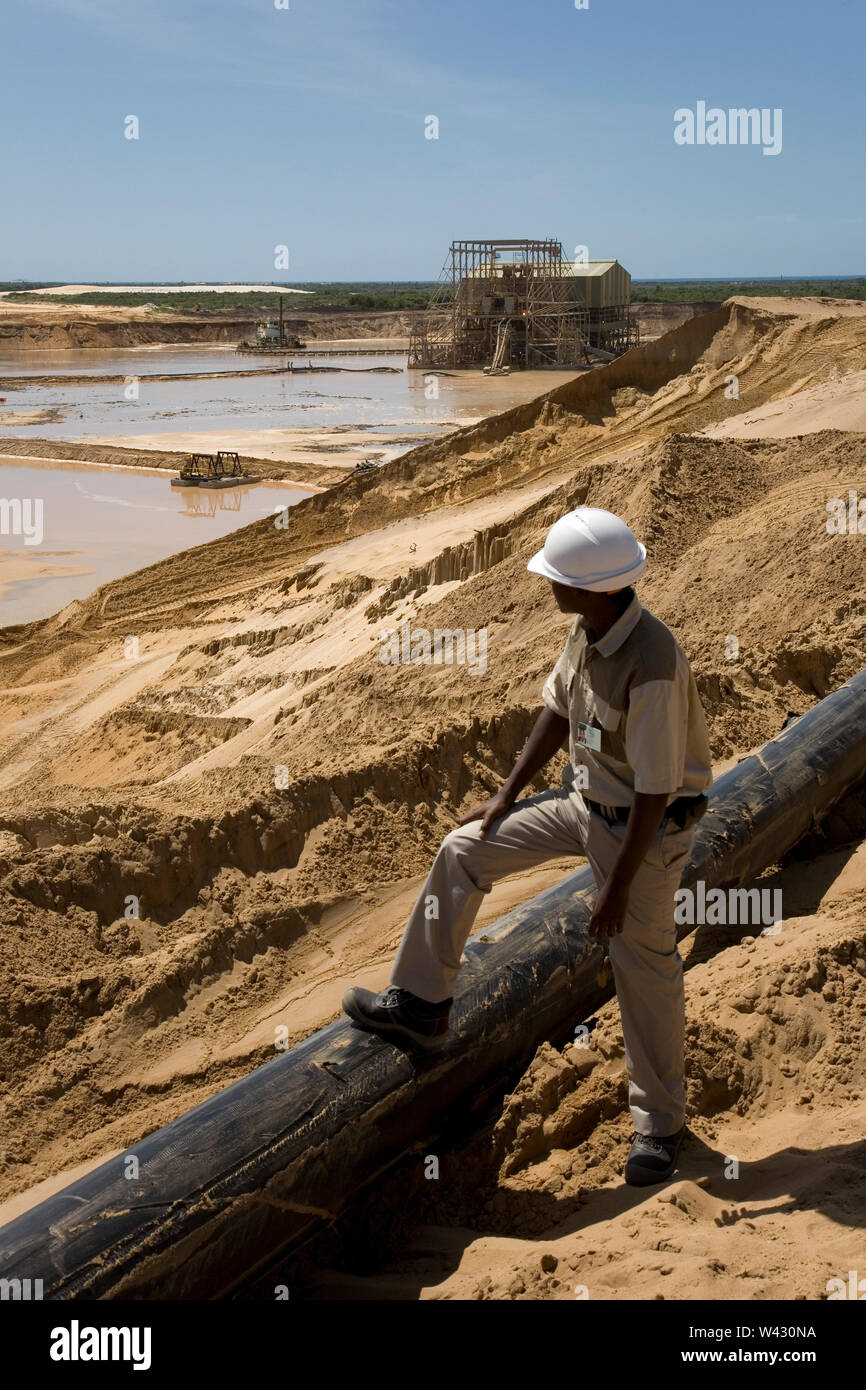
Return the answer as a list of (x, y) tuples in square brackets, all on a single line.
[(258, 658), (838, 403)]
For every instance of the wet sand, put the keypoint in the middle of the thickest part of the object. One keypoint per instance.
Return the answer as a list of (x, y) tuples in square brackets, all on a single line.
[(339, 448)]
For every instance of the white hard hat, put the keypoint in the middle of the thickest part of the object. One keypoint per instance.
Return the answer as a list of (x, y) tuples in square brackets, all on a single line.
[(590, 549)]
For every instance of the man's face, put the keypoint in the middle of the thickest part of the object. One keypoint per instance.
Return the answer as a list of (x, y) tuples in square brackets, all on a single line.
[(569, 600)]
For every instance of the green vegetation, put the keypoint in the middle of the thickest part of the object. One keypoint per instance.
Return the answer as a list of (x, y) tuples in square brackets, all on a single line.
[(27, 284), (358, 297), (702, 291)]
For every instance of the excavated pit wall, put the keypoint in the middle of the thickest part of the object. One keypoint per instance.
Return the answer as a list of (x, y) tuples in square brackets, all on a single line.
[(22, 330)]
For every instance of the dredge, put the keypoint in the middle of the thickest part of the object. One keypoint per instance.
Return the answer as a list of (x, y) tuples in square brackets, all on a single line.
[(519, 303), (272, 335), (222, 469)]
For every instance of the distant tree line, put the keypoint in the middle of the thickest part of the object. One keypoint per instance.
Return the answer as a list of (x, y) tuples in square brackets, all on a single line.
[(14, 285), (691, 291), (361, 296)]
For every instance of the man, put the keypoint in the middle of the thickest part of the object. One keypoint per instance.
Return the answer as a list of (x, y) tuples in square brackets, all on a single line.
[(623, 694)]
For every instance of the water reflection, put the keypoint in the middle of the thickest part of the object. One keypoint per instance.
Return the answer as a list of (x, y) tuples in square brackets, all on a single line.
[(207, 501)]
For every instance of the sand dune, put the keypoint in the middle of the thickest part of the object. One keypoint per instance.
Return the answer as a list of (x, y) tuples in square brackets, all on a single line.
[(837, 403)]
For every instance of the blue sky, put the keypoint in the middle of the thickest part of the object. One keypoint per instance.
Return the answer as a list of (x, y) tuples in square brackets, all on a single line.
[(305, 127)]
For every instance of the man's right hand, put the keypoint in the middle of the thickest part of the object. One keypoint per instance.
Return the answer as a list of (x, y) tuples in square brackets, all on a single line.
[(490, 811), (548, 733)]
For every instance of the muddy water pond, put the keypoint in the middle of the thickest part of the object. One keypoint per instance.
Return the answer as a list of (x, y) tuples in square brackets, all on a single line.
[(413, 402), (66, 529)]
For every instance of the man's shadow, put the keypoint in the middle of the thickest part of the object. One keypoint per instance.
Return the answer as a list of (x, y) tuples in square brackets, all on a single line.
[(789, 1180)]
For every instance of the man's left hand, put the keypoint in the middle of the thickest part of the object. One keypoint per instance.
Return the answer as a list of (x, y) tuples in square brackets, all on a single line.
[(608, 916)]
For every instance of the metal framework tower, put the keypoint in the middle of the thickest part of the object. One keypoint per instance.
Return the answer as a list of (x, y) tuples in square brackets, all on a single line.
[(503, 303), (493, 292)]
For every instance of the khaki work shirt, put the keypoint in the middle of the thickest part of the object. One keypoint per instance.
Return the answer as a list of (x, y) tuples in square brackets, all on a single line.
[(635, 717)]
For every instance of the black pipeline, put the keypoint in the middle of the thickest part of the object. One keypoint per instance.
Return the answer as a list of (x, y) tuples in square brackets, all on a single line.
[(250, 1174)]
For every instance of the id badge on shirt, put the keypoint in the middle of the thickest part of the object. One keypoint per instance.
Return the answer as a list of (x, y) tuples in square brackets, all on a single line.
[(589, 737)]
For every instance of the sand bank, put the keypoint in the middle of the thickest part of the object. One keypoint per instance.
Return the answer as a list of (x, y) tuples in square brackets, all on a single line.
[(340, 448)]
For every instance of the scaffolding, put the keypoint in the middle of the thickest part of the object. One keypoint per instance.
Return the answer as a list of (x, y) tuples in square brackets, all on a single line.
[(514, 303)]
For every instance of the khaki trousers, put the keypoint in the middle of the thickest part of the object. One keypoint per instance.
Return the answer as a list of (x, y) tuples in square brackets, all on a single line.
[(648, 969)]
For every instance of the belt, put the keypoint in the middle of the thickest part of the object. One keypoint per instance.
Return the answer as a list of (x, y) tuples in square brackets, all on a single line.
[(682, 811)]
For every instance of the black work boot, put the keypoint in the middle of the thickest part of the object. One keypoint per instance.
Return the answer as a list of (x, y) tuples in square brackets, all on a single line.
[(399, 1016), (653, 1159)]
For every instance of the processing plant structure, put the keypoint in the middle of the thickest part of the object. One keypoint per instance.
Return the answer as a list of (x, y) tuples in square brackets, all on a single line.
[(519, 303)]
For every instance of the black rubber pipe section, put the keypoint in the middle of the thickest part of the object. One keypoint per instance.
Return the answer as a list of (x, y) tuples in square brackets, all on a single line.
[(252, 1173)]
